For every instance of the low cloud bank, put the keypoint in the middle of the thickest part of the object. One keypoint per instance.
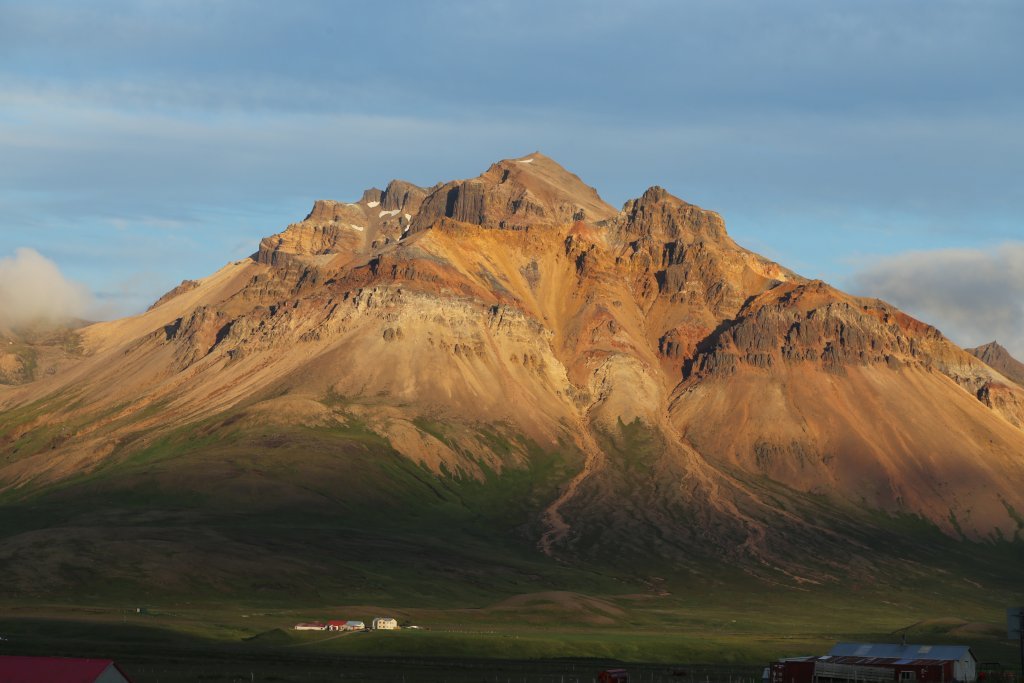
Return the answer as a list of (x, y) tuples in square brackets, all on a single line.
[(34, 291), (972, 295)]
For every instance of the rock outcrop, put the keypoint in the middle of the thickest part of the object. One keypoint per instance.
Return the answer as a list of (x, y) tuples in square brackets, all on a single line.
[(811, 322), (16, 368), (402, 196), (1005, 400), (185, 286)]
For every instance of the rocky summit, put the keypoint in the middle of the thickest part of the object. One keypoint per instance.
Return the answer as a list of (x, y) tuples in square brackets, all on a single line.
[(504, 370)]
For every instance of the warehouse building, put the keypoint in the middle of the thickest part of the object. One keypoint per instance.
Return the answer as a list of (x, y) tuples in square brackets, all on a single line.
[(880, 663)]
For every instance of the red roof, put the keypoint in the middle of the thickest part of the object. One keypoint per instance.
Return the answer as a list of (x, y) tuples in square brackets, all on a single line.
[(53, 669), (336, 622)]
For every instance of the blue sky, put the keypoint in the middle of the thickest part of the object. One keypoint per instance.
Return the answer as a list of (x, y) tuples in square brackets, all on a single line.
[(875, 143)]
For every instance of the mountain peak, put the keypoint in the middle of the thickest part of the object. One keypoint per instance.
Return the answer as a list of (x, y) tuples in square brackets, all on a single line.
[(533, 190), (993, 346), (664, 216), (998, 358), (656, 193)]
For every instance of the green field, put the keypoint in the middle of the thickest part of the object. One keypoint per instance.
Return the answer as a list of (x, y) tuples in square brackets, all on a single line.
[(228, 532), (538, 637)]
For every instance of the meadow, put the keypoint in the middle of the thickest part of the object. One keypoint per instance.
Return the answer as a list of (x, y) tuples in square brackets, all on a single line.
[(540, 637)]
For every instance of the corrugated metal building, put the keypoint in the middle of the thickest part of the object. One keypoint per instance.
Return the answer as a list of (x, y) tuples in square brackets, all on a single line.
[(881, 663)]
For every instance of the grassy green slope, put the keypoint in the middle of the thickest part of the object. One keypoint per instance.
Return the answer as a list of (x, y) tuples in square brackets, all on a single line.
[(228, 508)]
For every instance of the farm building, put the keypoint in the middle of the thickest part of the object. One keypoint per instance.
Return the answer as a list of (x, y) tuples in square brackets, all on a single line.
[(310, 626), (385, 624), (613, 676), (65, 669), (880, 663), (338, 625)]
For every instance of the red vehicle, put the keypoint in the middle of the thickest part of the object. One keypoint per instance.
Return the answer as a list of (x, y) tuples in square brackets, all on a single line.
[(613, 676)]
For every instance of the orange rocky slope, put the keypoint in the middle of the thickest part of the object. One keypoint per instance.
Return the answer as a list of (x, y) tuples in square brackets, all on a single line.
[(521, 301)]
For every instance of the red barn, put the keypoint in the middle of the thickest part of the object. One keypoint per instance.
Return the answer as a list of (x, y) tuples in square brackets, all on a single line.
[(792, 670), (59, 670)]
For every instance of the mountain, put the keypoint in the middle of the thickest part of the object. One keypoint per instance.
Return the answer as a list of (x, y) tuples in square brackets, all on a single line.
[(999, 394), (505, 371), (999, 359)]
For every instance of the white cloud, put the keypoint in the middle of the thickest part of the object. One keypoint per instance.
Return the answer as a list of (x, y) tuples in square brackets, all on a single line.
[(33, 290), (972, 295)]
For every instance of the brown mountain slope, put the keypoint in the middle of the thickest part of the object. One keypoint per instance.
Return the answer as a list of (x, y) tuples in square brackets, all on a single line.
[(698, 393)]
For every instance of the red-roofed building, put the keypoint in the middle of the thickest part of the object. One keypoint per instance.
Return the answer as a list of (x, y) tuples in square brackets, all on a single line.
[(880, 663), (59, 670)]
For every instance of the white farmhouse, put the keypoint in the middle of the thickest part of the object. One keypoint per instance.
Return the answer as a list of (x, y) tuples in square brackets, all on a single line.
[(384, 624)]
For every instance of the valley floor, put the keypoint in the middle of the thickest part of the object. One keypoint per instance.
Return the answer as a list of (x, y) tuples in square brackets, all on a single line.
[(555, 637)]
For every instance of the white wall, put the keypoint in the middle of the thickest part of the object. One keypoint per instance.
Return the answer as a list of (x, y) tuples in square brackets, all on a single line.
[(111, 675)]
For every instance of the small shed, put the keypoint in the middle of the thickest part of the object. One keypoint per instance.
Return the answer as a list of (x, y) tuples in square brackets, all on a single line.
[(792, 670), (60, 669), (385, 624)]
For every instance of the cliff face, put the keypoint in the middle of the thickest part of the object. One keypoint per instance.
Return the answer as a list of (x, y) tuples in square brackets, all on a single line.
[(479, 322)]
